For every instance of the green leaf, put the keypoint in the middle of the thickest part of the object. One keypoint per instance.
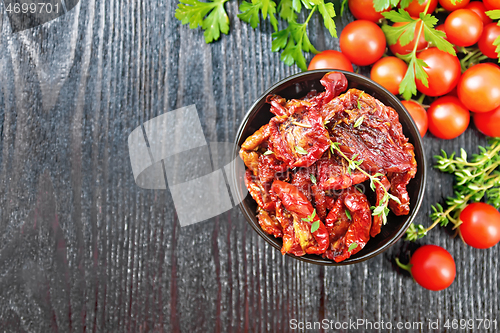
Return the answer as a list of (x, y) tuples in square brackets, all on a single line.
[(328, 12), (496, 42), (359, 121), (300, 150), (250, 12), (211, 16), (280, 39), (404, 33), (314, 226), (380, 5), (313, 178), (359, 98), (348, 213), (405, 3), (493, 14), (310, 218), (296, 40), (398, 16), (379, 210), (286, 10), (269, 152), (352, 246), (436, 37), (408, 87)]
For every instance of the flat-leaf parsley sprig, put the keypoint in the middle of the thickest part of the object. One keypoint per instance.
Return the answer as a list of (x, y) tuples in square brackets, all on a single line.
[(475, 179), (381, 210), (293, 40), (211, 16), (405, 34)]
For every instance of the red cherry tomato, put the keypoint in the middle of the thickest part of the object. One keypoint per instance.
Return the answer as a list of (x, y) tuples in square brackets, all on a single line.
[(408, 48), (330, 59), (415, 8), (491, 4), (479, 87), (480, 226), (362, 42), (418, 114), (448, 118), (443, 70), (485, 43), (449, 6), (363, 10), (433, 267), (488, 123), (463, 27), (389, 72), (479, 8)]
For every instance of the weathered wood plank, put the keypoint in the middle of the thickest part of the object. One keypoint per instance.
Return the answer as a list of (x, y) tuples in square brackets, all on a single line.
[(84, 248)]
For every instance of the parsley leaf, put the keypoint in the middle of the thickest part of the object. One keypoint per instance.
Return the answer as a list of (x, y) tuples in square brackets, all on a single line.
[(294, 41), (300, 150), (211, 16), (493, 14), (314, 226), (310, 218), (381, 5), (328, 12), (250, 12), (359, 121), (352, 246), (405, 34), (436, 37)]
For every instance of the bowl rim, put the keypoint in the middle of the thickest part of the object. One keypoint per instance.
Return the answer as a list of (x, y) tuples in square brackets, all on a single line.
[(249, 216)]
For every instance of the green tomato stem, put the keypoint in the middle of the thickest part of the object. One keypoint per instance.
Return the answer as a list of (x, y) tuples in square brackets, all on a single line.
[(403, 266)]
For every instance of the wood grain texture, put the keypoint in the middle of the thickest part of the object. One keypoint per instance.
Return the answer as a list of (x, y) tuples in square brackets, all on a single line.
[(84, 249)]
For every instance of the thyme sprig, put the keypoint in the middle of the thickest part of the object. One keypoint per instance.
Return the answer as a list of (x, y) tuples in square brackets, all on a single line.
[(354, 164), (475, 179)]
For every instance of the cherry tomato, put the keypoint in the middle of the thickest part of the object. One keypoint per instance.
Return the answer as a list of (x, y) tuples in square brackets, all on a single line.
[(448, 118), (408, 48), (363, 10), (418, 114), (479, 8), (449, 6), (491, 4), (479, 87), (485, 43), (389, 72), (362, 42), (488, 123), (443, 70), (433, 267), (480, 226), (463, 27), (330, 59), (415, 8)]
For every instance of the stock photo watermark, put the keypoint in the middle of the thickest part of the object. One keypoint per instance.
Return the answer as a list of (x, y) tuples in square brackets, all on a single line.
[(26, 14), (171, 150)]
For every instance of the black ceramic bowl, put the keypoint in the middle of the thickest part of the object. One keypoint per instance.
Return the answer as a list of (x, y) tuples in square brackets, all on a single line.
[(297, 86)]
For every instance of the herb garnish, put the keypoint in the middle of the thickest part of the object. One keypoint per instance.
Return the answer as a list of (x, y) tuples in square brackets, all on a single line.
[(474, 180), (381, 209)]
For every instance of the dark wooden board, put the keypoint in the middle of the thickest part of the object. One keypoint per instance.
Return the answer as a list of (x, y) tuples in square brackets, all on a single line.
[(84, 249)]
